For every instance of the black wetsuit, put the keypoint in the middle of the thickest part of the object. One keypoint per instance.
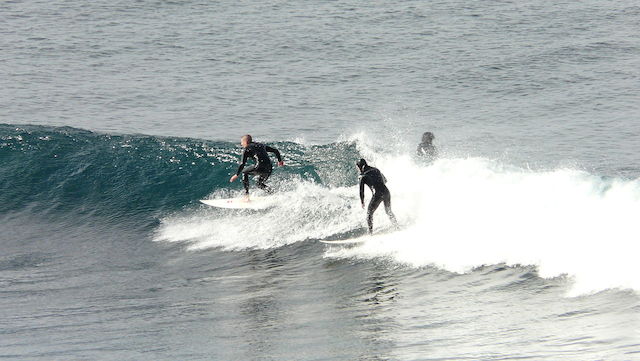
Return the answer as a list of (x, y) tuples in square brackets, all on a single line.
[(262, 168), (373, 178)]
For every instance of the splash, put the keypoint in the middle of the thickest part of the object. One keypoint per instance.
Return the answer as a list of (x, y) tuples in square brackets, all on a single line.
[(309, 211), (457, 214), (463, 213)]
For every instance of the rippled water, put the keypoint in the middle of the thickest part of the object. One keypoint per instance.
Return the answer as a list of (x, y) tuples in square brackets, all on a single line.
[(519, 242)]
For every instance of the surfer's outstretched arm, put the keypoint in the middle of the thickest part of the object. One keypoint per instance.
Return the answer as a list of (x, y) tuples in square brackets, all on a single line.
[(276, 152)]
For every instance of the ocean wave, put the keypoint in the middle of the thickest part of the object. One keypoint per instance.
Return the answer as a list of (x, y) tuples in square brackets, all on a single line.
[(456, 214), (60, 169)]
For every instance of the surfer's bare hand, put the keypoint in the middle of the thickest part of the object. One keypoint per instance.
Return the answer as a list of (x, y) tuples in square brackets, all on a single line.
[(280, 164), (234, 177)]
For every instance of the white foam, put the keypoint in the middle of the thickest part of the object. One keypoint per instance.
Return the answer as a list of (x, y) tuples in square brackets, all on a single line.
[(307, 211), (468, 212), (459, 214)]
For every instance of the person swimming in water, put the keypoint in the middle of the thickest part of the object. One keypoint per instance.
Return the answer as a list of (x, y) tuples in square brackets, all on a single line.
[(426, 149), (375, 180), (262, 167)]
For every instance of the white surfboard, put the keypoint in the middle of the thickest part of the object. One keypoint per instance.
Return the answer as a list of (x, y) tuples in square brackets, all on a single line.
[(240, 203)]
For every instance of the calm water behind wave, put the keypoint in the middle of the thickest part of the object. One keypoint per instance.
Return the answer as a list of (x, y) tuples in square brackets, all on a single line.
[(537, 83)]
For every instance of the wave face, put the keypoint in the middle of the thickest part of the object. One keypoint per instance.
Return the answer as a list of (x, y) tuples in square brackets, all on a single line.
[(53, 170), (456, 214)]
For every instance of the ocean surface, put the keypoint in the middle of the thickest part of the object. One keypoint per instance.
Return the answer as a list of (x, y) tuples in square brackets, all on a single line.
[(520, 241)]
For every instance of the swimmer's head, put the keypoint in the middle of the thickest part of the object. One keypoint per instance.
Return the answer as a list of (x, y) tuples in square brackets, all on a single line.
[(427, 137)]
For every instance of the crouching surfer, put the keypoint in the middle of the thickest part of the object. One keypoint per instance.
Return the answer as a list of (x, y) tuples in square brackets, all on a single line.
[(262, 166)]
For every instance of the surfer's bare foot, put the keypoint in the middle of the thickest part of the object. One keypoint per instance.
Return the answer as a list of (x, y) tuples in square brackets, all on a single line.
[(246, 198)]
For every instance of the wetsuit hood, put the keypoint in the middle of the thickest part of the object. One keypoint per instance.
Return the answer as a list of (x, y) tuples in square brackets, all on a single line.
[(362, 165), (427, 137)]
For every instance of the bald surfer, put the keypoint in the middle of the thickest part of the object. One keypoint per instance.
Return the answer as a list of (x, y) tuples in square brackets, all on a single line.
[(261, 168)]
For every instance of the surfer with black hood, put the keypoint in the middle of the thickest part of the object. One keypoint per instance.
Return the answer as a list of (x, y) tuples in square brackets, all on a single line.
[(375, 180)]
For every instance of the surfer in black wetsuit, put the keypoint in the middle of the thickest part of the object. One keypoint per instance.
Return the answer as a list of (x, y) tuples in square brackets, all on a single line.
[(262, 167), (373, 178)]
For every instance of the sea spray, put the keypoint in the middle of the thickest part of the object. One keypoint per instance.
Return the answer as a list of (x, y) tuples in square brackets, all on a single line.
[(457, 214)]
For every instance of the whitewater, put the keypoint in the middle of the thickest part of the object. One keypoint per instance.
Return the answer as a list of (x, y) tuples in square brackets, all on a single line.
[(457, 214)]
